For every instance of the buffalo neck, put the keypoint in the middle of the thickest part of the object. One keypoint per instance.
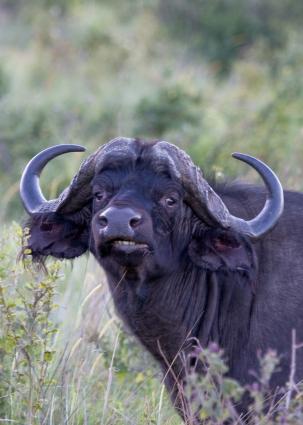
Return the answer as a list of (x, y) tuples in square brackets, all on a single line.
[(170, 314)]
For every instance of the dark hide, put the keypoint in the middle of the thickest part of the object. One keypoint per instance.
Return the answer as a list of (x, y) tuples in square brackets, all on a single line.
[(55, 235), (193, 281)]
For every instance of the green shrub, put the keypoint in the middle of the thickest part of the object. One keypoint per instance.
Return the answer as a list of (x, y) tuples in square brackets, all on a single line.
[(26, 338), (51, 372), (169, 108), (220, 30)]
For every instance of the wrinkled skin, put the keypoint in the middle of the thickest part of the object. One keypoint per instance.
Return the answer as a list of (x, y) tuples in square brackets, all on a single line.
[(181, 278)]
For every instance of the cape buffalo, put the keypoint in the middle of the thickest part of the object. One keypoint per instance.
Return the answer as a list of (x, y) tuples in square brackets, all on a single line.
[(181, 264)]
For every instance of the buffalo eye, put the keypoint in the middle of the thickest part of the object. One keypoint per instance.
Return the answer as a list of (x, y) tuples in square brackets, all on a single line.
[(169, 202), (100, 195)]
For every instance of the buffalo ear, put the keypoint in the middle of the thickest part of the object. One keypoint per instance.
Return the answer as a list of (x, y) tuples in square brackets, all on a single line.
[(222, 250), (55, 235)]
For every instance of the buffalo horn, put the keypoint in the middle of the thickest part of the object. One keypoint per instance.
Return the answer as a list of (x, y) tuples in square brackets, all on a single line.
[(209, 206), (30, 191), (273, 208)]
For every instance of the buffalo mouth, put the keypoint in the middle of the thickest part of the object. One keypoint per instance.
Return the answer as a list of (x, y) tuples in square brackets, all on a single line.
[(125, 248), (128, 246)]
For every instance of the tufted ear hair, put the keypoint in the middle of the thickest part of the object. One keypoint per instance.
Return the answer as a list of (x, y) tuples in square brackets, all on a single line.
[(223, 250), (55, 235)]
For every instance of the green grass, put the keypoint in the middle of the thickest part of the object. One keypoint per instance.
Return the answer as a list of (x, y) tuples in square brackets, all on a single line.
[(63, 356)]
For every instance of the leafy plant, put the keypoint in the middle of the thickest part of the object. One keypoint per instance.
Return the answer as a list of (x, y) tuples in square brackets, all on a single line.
[(26, 338)]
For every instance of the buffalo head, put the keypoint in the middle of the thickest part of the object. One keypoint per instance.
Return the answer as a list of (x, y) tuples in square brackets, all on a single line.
[(136, 206)]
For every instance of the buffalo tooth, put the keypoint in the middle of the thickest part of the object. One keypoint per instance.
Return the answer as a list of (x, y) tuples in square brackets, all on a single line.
[(125, 243), (122, 242)]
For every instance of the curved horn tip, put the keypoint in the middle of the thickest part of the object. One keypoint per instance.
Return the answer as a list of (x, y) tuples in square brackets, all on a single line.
[(79, 147), (76, 148), (274, 205), (259, 166), (70, 146), (242, 156), (30, 191)]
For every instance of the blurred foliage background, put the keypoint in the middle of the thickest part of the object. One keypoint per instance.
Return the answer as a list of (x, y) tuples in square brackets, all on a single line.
[(212, 76)]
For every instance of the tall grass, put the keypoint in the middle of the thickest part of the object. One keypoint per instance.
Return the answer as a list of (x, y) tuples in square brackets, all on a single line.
[(63, 356)]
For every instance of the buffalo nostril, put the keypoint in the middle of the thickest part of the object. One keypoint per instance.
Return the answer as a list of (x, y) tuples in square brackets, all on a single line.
[(103, 222), (135, 221)]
